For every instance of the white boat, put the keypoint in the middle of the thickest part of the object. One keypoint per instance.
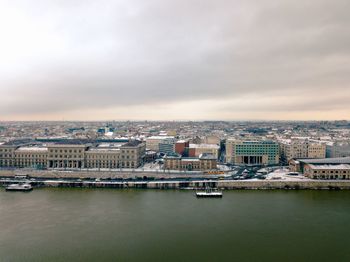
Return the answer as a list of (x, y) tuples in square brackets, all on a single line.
[(19, 187), (209, 193)]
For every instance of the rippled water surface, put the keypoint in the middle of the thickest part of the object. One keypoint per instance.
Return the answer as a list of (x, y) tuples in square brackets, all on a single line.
[(151, 225)]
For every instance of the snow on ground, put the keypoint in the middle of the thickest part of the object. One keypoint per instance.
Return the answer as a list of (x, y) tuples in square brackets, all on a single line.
[(223, 167), (283, 174)]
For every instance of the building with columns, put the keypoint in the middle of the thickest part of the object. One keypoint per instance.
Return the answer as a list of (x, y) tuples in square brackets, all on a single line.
[(66, 156), (252, 152), (72, 155)]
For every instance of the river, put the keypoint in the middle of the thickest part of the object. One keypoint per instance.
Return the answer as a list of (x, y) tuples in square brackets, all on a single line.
[(55, 224)]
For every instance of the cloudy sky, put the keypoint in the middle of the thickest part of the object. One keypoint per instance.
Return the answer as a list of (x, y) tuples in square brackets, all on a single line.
[(174, 59)]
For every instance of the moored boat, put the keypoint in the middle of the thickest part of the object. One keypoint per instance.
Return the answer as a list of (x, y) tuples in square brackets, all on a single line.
[(19, 187), (209, 193)]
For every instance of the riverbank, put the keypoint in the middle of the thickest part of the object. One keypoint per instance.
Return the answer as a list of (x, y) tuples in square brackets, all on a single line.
[(183, 184), (159, 180)]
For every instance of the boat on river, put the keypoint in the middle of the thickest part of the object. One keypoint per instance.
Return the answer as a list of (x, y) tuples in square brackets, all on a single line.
[(209, 193), (19, 187)]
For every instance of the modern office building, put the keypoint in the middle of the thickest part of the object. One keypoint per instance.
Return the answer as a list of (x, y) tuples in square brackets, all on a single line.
[(167, 146), (250, 152)]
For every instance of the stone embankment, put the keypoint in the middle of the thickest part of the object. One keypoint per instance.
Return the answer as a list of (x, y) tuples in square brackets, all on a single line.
[(96, 174), (159, 181)]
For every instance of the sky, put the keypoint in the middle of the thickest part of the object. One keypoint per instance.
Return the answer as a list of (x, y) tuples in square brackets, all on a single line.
[(174, 60)]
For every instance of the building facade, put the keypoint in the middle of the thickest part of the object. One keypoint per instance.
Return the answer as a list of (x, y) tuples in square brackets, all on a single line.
[(181, 147), (73, 156), (167, 146), (327, 171), (202, 163), (301, 148), (152, 142), (338, 149), (242, 152), (323, 168), (195, 150), (35, 157)]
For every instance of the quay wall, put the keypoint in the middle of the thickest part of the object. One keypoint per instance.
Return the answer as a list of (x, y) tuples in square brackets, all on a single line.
[(96, 174), (200, 184), (58, 180)]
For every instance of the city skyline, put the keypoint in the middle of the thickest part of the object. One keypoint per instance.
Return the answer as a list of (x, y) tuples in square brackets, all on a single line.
[(176, 60)]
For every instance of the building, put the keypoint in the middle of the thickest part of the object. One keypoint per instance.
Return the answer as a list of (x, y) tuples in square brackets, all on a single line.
[(338, 149), (195, 150), (132, 154), (324, 168), (316, 150), (66, 155), (211, 140), (31, 156), (167, 146), (202, 163), (301, 148), (181, 147), (103, 156), (250, 152), (339, 171), (73, 154), (152, 142)]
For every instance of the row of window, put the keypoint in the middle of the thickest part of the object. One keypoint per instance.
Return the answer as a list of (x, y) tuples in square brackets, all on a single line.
[(66, 151)]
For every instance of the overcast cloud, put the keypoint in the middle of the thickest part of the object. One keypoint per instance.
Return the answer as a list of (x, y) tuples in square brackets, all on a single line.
[(183, 59)]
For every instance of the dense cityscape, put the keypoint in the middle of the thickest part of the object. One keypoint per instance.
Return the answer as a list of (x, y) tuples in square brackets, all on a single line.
[(266, 150), (174, 131)]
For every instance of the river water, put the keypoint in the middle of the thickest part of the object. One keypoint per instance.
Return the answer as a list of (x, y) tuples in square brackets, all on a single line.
[(154, 225)]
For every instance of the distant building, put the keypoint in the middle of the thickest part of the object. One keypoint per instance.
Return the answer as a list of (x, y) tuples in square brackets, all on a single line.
[(167, 146), (250, 152), (202, 163), (301, 148), (181, 147), (152, 142), (211, 140), (338, 149), (195, 150), (316, 150)]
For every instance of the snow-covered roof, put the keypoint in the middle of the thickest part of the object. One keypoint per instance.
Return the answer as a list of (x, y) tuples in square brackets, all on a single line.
[(32, 149), (331, 167), (213, 146)]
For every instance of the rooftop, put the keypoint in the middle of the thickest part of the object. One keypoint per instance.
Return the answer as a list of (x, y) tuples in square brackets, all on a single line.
[(213, 146), (338, 160), (331, 167), (159, 137), (32, 148), (132, 143)]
